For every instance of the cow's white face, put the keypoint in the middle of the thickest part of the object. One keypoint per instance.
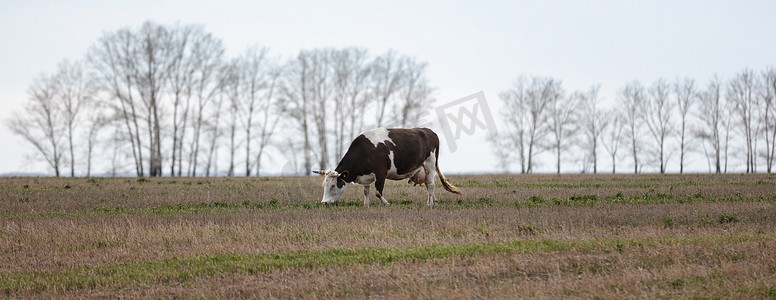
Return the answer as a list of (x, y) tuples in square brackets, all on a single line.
[(333, 186)]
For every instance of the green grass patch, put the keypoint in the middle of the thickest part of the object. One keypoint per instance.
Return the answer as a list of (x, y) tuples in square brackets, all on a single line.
[(726, 218), (458, 203), (668, 223), (496, 183)]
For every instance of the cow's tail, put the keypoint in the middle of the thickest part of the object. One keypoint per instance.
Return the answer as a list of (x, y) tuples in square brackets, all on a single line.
[(449, 187)]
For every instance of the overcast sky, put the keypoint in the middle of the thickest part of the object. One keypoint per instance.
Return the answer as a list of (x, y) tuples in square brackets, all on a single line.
[(469, 46)]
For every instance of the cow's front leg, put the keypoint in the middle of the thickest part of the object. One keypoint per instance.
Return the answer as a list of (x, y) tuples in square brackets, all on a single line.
[(366, 195), (379, 184)]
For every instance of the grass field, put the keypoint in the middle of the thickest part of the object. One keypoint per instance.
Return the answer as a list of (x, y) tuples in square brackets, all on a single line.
[(508, 236)]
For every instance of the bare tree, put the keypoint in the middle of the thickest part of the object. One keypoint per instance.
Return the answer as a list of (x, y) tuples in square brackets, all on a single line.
[(42, 123), (232, 76), (259, 79), (114, 58), (631, 98), (296, 101), (207, 57), (341, 70), (541, 95), (253, 79), (413, 93), (212, 128), (321, 92), (593, 123), (729, 123), (134, 68), (686, 96), (711, 112), (153, 65), (116, 145), (562, 121), (97, 121), (351, 73), (271, 116), (526, 104), (358, 94), (612, 135), (74, 89), (513, 135), (387, 72), (741, 94), (658, 110), (181, 81), (766, 94)]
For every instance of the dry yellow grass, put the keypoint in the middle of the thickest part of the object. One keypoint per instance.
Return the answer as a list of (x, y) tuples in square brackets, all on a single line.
[(567, 236)]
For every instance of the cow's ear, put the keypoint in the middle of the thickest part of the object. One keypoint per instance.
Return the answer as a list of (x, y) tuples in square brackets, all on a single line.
[(344, 174)]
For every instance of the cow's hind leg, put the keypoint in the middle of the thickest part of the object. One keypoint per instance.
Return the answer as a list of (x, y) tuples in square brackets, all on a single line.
[(430, 187), (366, 195), (430, 169)]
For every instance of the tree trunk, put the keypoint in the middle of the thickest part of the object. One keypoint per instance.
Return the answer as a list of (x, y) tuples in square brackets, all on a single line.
[(662, 165), (557, 148), (614, 163), (131, 138), (139, 144), (595, 156), (197, 133), (322, 143), (56, 154), (185, 118), (521, 147), (635, 158), (248, 151), (89, 162), (307, 162), (158, 137), (772, 150), (233, 128), (174, 133), (681, 154), (152, 148), (70, 144), (258, 160), (530, 156), (383, 103)]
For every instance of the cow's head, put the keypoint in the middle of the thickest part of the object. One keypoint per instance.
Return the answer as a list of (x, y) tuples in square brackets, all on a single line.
[(334, 185)]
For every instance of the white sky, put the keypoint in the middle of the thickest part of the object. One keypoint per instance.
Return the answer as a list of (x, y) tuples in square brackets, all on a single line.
[(470, 46)]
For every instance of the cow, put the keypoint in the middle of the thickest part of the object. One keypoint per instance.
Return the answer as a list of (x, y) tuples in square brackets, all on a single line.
[(379, 154)]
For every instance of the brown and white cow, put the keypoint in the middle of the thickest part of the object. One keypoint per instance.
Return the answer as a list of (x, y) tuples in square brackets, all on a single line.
[(380, 154)]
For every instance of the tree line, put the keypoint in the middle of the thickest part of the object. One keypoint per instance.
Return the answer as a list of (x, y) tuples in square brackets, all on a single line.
[(648, 125), (166, 100), (166, 96)]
